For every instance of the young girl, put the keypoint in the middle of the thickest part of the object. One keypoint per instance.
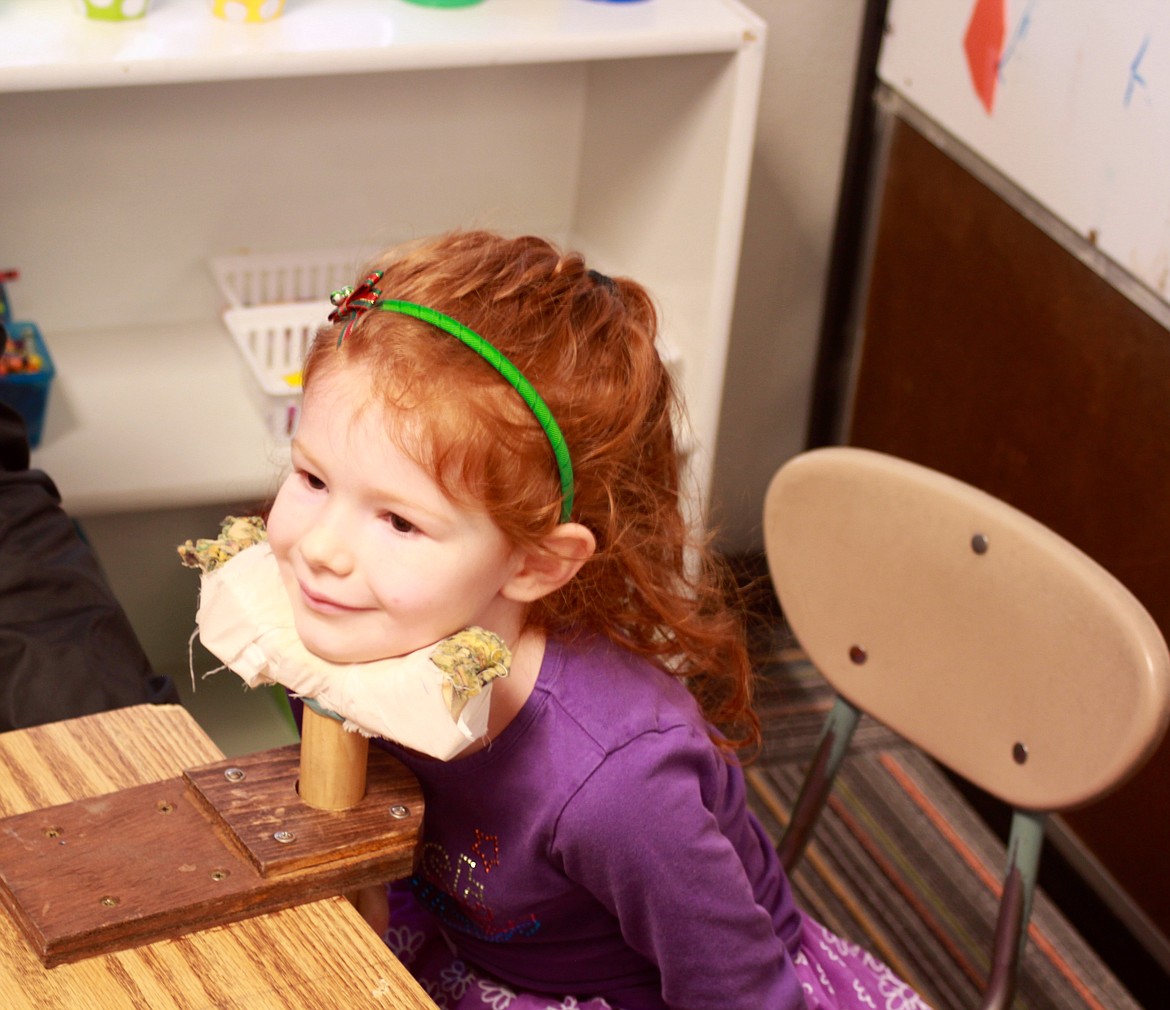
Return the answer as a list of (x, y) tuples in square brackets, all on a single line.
[(487, 440)]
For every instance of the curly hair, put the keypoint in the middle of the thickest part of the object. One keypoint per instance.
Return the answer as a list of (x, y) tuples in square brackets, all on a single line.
[(588, 343)]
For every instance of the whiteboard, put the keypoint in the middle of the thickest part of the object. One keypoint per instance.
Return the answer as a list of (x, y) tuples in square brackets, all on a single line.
[(1068, 99)]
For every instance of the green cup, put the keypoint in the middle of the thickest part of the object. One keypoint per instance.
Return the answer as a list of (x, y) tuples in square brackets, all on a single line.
[(113, 10)]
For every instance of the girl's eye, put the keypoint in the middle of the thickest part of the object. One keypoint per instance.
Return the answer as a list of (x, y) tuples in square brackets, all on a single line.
[(313, 481), (400, 524)]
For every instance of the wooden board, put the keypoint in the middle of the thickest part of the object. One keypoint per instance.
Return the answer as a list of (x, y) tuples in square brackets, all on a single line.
[(255, 798), (318, 954), (222, 843)]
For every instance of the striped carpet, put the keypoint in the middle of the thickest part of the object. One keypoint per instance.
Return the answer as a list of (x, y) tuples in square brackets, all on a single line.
[(901, 864)]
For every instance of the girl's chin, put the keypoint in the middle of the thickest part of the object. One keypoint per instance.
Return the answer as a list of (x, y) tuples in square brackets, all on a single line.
[(333, 646), (344, 654), (346, 658)]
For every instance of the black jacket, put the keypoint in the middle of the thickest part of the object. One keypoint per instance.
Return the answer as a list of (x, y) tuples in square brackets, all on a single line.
[(66, 646)]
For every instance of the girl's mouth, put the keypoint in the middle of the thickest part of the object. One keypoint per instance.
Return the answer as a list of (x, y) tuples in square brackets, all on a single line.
[(323, 604)]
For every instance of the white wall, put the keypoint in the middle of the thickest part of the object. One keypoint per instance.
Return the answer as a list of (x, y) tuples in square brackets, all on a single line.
[(804, 112)]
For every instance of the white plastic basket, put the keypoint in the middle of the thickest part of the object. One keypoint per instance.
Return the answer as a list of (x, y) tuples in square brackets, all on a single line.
[(273, 340), (276, 302), (247, 279)]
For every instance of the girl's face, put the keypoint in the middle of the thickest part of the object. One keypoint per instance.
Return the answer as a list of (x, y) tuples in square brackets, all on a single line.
[(377, 560)]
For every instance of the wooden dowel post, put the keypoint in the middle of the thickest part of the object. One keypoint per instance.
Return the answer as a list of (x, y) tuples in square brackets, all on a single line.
[(333, 763)]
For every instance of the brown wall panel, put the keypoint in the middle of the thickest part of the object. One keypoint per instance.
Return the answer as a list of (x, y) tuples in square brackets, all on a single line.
[(993, 354)]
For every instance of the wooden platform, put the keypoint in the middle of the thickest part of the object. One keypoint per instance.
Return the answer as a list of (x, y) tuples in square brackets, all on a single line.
[(316, 954)]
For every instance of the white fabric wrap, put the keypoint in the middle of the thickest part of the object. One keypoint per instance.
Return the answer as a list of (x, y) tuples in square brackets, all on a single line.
[(246, 620)]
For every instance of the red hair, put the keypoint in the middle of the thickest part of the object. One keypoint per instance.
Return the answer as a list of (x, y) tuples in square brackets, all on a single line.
[(588, 345)]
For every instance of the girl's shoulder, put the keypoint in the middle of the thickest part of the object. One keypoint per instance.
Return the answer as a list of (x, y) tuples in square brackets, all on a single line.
[(612, 695)]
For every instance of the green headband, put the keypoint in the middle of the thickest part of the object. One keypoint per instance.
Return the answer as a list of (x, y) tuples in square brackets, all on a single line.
[(351, 303)]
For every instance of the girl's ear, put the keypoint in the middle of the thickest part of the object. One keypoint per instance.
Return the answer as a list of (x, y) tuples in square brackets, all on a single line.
[(566, 549)]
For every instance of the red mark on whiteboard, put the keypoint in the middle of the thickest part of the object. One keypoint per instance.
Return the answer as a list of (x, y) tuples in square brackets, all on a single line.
[(983, 45)]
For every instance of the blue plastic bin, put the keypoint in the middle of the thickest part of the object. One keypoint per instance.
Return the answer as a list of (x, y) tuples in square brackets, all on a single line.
[(28, 392)]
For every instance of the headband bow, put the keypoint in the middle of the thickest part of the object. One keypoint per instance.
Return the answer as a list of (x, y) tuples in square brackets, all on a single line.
[(349, 302)]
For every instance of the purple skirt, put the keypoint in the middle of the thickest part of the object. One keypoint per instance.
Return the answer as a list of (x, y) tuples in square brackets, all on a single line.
[(835, 975)]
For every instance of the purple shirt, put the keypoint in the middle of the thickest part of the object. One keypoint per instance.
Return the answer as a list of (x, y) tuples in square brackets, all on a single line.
[(602, 846)]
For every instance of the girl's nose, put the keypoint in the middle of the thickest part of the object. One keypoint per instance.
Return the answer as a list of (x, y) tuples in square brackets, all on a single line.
[(323, 549)]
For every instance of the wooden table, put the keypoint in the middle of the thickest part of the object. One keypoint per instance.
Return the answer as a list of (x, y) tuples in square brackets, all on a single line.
[(316, 955)]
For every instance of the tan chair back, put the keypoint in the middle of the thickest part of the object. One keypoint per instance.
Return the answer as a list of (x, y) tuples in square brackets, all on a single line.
[(969, 628)]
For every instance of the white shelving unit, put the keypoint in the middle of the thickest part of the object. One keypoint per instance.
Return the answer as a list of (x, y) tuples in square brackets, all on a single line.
[(133, 153)]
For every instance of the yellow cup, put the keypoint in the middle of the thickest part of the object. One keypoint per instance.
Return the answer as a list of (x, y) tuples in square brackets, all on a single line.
[(252, 11), (113, 10)]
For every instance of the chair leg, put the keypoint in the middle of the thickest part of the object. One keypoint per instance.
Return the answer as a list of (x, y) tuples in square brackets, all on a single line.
[(818, 782), (1015, 908)]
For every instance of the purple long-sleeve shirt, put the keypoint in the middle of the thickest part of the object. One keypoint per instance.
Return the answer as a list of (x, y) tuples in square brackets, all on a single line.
[(602, 846)]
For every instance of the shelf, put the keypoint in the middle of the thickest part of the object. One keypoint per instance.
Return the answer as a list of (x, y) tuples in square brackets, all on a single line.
[(171, 411), (46, 46), (136, 152)]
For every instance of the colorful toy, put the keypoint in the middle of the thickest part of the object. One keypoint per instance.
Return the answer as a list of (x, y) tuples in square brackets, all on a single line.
[(19, 352), (5, 308), (26, 369)]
